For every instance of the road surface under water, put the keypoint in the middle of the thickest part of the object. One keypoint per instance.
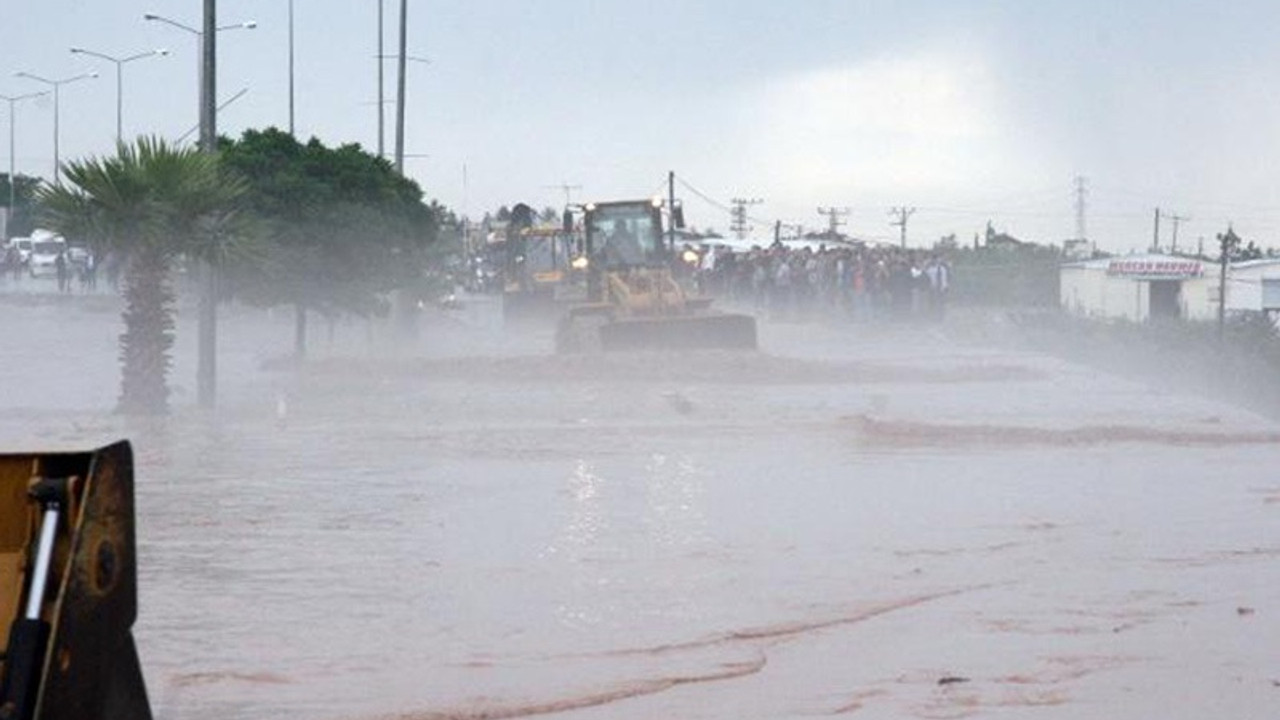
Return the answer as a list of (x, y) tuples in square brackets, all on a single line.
[(872, 522)]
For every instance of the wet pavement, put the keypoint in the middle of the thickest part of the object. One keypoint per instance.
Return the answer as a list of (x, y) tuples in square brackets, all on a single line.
[(875, 522)]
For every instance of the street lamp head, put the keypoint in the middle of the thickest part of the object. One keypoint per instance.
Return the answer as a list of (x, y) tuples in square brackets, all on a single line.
[(251, 24), (162, 51)]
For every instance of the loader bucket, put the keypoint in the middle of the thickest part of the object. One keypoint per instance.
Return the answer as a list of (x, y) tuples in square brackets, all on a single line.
[(685, 332), (68, 587)]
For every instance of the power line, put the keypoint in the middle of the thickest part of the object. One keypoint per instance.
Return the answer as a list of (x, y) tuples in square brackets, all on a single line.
[(738, 215), (1082, 193), (834, 217), (902, 213), (568, 190), (1177, 219), (685, 184), (754, 221), (1155, 241)]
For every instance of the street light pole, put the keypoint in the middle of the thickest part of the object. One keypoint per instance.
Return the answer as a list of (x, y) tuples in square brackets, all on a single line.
[(212, 28), (207, 356), (382, 123), (290, 67), (400, 64), (13, 182), (119, 79), (56, 84), (209, 78)]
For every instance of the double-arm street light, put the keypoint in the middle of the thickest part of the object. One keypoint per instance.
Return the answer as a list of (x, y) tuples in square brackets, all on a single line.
[(56, 85), (13, 182), (119, 61), (247, 25), (204, 102)]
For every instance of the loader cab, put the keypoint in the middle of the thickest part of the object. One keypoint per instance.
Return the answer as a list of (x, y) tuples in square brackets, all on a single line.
[(627, 234)]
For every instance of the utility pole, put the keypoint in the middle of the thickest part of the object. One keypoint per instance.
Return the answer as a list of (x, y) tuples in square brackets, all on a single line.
[(13, 180), (291, 133), (834, 217), (382, 123), (1155, 233), (671, 212), (738, 215), (208, 78), (1176, 220), (1227, 243), (1082, 193), (207, 350), (400, 64), (568, 190), (902, 213)]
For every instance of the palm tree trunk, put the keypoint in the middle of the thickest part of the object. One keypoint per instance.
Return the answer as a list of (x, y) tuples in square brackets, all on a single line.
[(207, 345), (148, 335), (300, 331)]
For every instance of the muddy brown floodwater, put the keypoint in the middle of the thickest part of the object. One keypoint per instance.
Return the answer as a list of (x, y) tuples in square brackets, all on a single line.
[(863, 522)]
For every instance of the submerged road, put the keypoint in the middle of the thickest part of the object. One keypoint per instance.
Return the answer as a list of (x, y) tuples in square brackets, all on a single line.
[(871, 522)]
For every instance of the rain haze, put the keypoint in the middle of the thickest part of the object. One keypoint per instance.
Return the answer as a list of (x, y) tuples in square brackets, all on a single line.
[(707, 359)]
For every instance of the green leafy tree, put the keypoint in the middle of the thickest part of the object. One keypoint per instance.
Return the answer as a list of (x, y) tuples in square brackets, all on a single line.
[(21, 215), (1015, 275), (345, 227), (150, 204)]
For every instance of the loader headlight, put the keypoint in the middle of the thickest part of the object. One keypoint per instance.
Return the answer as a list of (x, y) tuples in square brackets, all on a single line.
[(657, 201), (690, 257), (579, 263)]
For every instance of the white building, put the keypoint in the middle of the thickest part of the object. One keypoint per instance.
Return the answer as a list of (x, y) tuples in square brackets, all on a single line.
[(1252, 285), (1133, 287), (1141, 287)]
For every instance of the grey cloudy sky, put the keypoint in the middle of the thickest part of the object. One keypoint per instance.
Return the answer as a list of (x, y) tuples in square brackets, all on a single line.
[(968, 111)]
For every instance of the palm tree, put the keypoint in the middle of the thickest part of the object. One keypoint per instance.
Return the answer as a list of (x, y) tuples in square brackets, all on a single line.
[(149, 204)]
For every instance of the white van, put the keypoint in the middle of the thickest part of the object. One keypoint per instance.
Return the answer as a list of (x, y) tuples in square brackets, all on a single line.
[(44, 256)]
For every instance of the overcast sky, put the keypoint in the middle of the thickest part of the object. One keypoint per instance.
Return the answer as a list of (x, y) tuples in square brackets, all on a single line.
[(968, 111)]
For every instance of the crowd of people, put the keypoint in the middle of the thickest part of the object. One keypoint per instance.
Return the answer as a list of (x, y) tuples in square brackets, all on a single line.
[(66, 271), (857, 283)]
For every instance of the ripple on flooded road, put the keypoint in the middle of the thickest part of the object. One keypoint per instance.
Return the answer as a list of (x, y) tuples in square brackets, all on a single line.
[(910, 433), (710, 367)]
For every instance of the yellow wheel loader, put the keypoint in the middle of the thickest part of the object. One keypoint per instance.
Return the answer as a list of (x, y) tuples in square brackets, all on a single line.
[(634, 301), (68, 587), (537, 279)]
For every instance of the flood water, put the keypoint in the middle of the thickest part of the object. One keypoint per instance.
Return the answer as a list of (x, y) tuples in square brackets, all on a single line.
[(871, 522)]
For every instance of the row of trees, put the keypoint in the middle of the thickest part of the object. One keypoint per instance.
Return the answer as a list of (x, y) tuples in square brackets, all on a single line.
[(322, 229), (23, 192)]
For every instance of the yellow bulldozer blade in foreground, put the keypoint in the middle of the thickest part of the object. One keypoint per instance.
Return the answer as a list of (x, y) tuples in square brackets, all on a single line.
[(691, 332), (644, 308), (68, 587)]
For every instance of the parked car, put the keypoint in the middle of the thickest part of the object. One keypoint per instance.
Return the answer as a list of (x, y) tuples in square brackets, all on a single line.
[(24, 248), (77, 256)]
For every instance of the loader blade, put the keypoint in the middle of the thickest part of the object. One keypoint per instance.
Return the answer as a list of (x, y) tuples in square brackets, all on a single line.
[(89, 667), (693, 332)]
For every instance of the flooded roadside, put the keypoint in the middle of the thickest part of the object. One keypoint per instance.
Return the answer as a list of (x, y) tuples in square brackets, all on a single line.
[(470, 528)]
